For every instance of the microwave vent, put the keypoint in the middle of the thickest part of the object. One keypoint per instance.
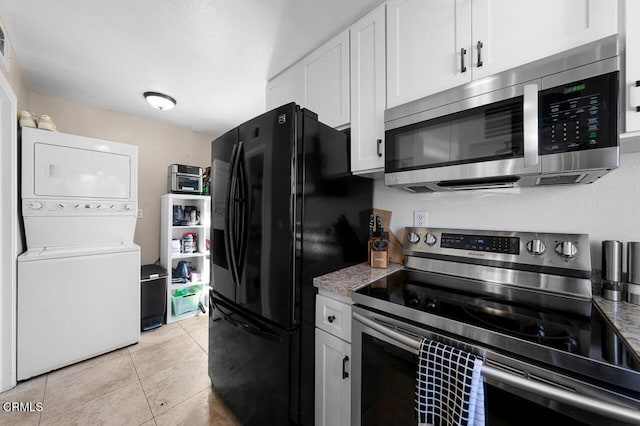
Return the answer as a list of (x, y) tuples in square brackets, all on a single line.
[(418, 189), (560, 179)]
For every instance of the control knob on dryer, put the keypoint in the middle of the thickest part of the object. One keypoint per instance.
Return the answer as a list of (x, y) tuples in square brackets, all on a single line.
[(536, 247), (413, 238), (567, 249)]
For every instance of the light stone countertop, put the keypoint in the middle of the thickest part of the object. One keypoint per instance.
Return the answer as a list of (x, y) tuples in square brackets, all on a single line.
[(345, 281), (624, 316)]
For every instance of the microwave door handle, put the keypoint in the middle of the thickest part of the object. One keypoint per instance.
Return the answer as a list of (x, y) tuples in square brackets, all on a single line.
[(554, 393), (530, 124)]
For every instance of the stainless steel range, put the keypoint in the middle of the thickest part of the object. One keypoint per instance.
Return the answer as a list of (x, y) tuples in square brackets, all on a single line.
[(521, 301)]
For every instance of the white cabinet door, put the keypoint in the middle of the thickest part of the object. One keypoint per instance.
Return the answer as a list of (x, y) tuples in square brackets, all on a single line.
[(325, 76), (631, 88), (514, 32), (333, 381), (424, 47), (283, 88), (368, 97)]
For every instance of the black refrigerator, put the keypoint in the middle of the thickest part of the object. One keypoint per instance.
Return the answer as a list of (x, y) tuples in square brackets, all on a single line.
[(285, 209)]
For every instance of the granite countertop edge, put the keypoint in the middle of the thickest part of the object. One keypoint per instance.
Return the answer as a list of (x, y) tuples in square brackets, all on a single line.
[(346, 281), (623, 315)]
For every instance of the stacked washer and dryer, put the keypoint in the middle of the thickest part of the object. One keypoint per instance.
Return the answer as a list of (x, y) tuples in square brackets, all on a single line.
[(79, 280)]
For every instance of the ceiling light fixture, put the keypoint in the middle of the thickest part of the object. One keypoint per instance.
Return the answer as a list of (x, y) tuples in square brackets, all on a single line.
[(159, 100)]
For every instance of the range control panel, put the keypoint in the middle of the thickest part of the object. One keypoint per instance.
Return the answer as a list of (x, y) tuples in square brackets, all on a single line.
[(41, 207), (498, 248)]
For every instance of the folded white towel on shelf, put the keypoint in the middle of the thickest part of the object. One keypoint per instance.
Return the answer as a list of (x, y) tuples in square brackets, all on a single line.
[(449, 389)]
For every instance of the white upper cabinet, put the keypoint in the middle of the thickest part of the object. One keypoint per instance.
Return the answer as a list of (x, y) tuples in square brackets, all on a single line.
[(368, 98), (428, 47), (284, 88), (630, 88), (514, 32), (325, 77), (430, 43)]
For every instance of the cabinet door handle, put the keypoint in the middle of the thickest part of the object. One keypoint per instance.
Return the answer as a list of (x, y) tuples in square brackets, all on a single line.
[(378, 148), (463, 52), (479, 46), (331, 318), (344, 367), (637, 90)]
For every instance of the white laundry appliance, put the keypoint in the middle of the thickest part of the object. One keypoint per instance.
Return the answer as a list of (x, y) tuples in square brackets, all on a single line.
[(79, 280)]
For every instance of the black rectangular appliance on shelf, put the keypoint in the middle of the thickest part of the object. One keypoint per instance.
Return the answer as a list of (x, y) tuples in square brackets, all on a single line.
[(285, 208)]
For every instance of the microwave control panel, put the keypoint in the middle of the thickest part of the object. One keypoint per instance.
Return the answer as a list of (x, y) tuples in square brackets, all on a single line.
[(580, 116)]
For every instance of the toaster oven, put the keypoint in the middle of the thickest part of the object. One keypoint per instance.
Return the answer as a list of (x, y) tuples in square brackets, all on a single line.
[(184, 179)]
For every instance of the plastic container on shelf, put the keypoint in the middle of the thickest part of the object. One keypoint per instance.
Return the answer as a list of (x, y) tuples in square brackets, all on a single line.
[(185, 300), (189, 242), (176, 246)]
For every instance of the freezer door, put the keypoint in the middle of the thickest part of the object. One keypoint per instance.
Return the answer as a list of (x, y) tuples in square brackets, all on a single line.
[(250, 366)]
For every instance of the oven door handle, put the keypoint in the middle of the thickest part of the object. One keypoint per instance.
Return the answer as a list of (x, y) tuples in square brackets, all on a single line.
[(548, 391)]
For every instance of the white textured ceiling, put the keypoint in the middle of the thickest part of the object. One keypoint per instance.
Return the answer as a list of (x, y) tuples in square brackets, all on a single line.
[(214, 57)]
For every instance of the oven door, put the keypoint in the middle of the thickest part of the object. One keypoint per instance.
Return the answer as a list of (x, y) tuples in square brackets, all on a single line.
[(385, 359), (487, 140)]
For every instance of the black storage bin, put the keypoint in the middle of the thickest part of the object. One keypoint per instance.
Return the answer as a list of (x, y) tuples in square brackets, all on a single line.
[(153, 296)]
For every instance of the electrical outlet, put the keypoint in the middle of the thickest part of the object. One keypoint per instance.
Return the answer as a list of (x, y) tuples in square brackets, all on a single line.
[(419, 218), (140, 215)]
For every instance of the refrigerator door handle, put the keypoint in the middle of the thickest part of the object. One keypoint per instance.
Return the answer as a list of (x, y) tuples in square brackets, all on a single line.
[(243, 213), (228, 222), (247, 327)]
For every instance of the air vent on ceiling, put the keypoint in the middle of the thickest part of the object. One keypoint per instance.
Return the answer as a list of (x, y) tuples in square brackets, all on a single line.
[(4, 48)]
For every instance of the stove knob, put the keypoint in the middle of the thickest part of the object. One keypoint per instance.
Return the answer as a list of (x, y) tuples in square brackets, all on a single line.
[(567, 249), (413, 238), (536, 247), (431, 239)]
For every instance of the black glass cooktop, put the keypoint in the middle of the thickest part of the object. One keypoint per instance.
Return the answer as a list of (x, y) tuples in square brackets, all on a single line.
[(591, 336)]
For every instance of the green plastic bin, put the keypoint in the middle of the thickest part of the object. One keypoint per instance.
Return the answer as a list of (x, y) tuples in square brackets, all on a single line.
[(185, 300)]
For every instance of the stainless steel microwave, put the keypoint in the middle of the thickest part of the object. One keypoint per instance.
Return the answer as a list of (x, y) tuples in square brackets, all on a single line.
[(554, 121)]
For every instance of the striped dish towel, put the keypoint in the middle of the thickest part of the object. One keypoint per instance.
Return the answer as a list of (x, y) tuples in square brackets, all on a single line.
[(450, 389)]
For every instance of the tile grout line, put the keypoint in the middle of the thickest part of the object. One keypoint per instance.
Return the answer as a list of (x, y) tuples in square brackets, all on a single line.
[(46, 381), (193, 338), (143, 390), (188, 397), (142, 387)]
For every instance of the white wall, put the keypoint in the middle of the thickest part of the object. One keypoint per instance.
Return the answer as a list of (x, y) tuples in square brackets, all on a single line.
[(606, 210)]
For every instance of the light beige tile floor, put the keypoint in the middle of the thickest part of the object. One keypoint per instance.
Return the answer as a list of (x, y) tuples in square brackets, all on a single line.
[(162, 380)]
